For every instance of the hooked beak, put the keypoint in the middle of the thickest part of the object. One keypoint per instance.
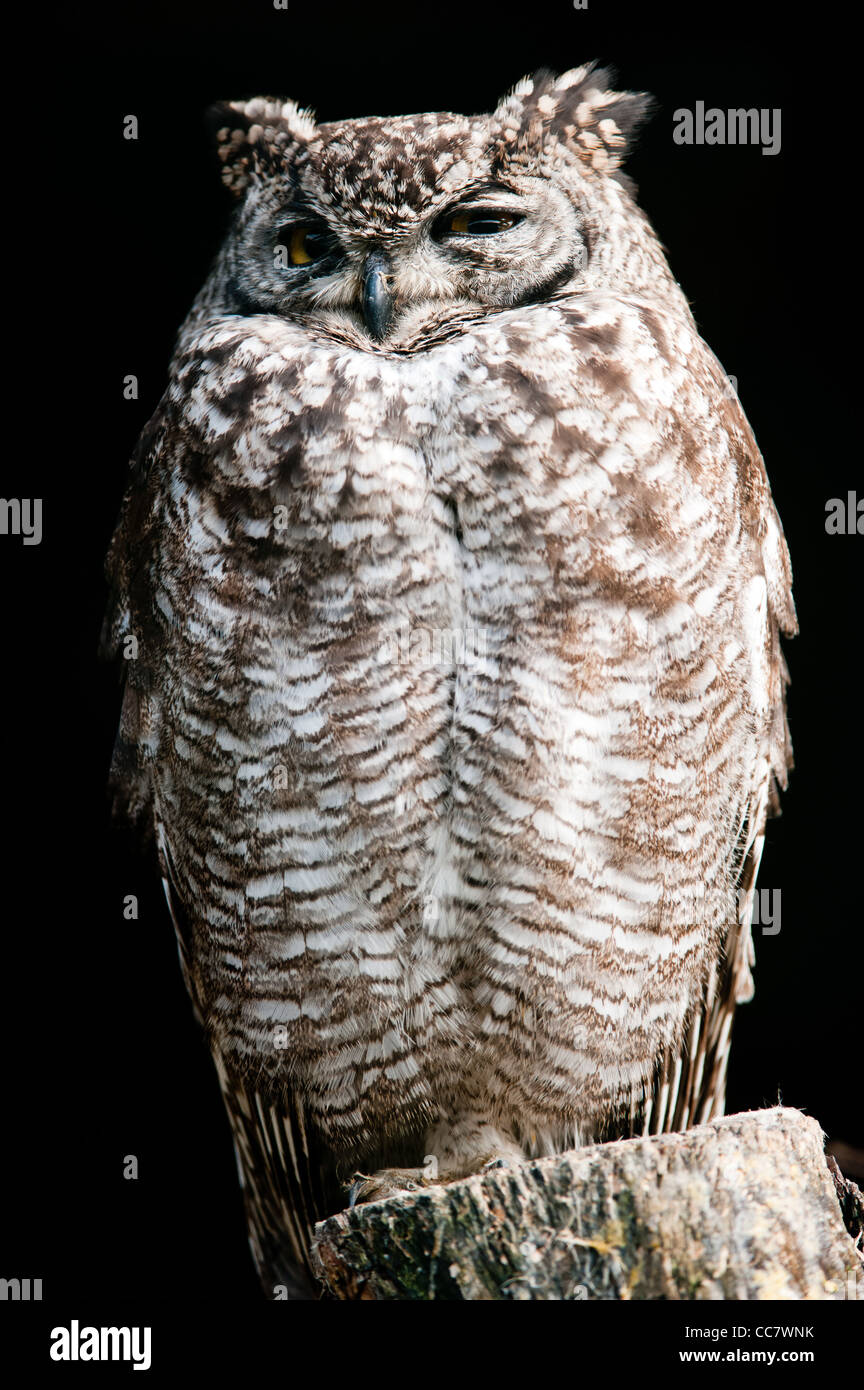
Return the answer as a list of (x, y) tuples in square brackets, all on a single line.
[(376, 293)]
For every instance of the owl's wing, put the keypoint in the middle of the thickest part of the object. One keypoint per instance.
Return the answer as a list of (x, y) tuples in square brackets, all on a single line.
[(130, 638), (289, 1179), (288, 1182), (689, 1085)]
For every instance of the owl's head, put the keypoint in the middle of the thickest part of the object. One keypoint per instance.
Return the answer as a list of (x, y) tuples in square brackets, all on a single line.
[(375, 226)]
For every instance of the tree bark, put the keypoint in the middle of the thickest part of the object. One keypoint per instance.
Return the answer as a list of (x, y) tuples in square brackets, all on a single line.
[(741, 1208)]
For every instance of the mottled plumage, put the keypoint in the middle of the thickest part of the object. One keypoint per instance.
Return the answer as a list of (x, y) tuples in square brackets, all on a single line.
[(459, 702)]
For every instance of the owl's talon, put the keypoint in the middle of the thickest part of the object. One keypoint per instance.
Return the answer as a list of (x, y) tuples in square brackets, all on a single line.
[(354, 1188), (389, 1182), (499, 1161)]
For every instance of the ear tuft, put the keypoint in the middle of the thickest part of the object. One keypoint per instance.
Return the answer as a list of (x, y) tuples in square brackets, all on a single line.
[(257, 136), (579, 109)]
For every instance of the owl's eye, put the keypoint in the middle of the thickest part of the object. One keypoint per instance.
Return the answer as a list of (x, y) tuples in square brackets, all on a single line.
[(305, 242), (476, 222)]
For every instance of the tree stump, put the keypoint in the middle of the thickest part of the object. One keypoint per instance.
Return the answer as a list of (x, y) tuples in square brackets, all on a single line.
[(742, 1208)]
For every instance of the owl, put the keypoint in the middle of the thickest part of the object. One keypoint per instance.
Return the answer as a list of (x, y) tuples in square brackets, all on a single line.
[(458, 705)]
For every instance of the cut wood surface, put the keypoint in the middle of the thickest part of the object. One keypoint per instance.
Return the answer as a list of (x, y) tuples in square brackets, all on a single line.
[(742, 1208)]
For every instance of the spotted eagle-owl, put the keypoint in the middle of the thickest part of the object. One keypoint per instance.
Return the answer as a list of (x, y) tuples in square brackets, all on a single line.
[(459, 702)]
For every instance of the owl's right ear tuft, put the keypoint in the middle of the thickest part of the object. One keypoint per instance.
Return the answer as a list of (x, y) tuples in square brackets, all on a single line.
[(579, 108), (257, 137)]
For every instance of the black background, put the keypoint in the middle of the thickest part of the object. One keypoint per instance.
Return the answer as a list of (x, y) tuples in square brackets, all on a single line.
[(102, 1057)]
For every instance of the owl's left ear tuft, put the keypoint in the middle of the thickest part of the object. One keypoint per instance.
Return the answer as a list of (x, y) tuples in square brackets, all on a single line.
[(257, 136), (579, 109)]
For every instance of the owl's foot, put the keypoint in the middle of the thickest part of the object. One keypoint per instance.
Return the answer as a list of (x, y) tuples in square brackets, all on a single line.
[(460, 1147), (394, 1182)]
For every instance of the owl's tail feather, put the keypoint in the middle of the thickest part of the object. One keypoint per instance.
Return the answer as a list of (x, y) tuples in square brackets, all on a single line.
[(288, 1185), (689, 1083), (292, 1179)]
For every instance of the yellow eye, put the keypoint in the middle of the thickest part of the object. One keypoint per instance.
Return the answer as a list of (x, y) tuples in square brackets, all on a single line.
[(481, 222), (297, 246), (305, 243)]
